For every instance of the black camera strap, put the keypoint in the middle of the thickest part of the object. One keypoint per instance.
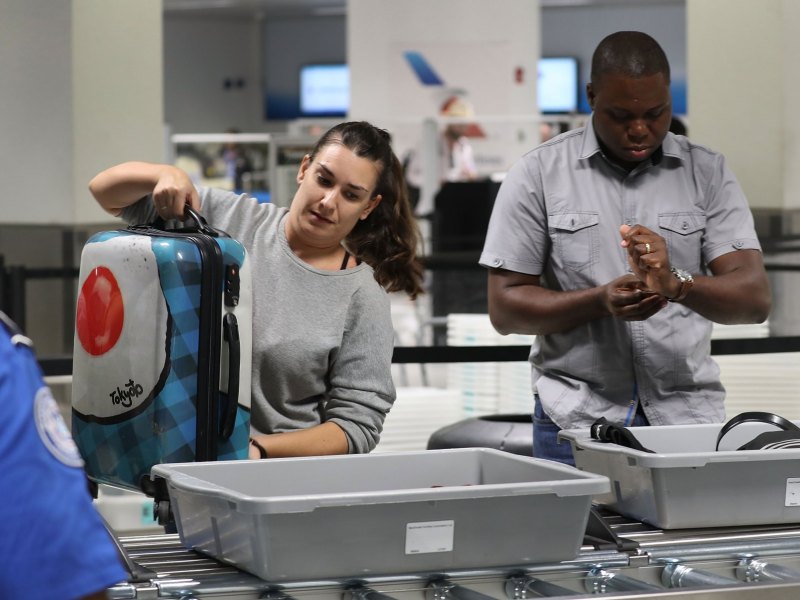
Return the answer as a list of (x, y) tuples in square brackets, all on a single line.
[(603, 431)]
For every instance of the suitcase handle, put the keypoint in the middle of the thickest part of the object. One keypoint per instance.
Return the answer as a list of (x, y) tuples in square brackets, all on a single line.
[(199, 224), (230, 332)]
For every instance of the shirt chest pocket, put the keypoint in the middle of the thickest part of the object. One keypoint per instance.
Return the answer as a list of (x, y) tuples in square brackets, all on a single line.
[(684, 235), (574, 237)]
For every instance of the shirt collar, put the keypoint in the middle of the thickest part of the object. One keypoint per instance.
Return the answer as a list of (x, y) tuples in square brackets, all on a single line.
[(591, 146), (671, 147)]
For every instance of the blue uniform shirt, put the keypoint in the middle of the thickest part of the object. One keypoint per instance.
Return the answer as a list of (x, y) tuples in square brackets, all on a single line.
[(52, 541)]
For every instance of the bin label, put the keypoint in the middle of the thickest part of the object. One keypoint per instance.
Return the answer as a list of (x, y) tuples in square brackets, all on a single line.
[(430, 536), (793, 491)]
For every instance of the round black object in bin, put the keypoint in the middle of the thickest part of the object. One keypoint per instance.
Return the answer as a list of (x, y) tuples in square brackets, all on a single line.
[(512, 433)]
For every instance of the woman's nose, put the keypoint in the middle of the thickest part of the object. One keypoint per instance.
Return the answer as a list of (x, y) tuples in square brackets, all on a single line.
[(329, 199)]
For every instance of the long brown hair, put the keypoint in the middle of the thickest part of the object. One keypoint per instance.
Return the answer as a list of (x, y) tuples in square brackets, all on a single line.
[(388, 238)]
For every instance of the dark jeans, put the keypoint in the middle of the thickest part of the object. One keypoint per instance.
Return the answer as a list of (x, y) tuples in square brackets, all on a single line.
[(545, 435)]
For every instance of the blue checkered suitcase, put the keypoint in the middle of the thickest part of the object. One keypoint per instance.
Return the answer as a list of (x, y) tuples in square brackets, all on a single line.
[(162, 354)]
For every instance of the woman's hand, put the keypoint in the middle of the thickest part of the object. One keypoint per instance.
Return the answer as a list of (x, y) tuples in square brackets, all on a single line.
[(174, 190)]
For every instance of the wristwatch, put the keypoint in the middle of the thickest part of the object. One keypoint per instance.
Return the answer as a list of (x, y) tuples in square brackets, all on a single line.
[(687, 281)]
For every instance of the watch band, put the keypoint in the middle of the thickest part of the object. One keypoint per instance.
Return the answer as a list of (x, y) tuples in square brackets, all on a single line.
[(686, 285)]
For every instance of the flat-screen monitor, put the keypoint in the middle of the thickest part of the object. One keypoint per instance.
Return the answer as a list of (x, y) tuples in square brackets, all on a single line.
[(557, 86), (324, 90)]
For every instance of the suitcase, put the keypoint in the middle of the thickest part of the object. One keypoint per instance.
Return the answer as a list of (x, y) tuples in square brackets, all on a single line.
[(162, 352)]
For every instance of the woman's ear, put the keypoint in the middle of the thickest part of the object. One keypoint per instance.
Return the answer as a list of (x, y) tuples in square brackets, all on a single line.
[(301, 172), (371, 206)]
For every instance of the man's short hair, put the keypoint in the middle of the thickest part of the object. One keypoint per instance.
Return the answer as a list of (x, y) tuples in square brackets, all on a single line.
[(631, 54)]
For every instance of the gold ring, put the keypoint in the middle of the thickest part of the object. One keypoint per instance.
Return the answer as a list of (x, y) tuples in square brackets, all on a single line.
[(647, 248)]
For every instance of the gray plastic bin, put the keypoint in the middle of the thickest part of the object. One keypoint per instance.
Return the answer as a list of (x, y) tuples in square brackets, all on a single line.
[(345, 516), (688, 484)]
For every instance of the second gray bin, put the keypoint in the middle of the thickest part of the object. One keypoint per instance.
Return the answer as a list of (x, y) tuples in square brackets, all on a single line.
[(686, 483)]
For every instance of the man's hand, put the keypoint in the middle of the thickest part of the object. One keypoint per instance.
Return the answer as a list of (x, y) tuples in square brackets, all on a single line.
[(627, 298), (649, 260)]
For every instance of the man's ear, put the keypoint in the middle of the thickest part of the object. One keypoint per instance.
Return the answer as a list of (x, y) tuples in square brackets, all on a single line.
[(301, 172), (590, 96)]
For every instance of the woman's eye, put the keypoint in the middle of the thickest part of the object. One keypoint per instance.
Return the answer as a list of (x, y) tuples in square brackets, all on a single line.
[(323, 180)]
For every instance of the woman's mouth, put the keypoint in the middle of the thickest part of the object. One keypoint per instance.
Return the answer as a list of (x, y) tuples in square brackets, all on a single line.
[(318, 217)]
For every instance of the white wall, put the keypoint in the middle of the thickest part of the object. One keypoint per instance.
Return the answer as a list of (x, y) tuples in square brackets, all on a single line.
[(117, 75), (736, 103), (790, 25), (35, 111), (745, 92), (73, 100)]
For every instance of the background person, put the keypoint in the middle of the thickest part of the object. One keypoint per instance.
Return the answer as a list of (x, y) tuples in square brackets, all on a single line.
[(454, 158), (458, 156), (53, 543), (618, 245), (237, 162), (323, 335)]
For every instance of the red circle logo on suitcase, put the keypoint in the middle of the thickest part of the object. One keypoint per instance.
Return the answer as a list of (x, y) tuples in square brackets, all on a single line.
[(100, 312)]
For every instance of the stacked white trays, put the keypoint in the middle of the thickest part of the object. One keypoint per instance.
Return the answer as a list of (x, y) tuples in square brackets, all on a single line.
[(744, 331), (766, 382), (416, 414), (487, 387)]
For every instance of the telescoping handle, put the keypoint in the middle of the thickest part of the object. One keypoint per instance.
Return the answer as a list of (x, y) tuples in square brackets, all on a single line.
[(230, 333)]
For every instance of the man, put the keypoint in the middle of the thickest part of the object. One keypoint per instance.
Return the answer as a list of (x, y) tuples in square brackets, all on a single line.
[(52, 541), (617, 245)]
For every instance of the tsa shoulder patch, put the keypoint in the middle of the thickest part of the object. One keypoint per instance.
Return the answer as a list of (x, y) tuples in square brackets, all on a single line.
[(53, 430)]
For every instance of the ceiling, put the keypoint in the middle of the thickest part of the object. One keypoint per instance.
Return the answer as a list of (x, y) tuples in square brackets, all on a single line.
[(319, 8), (257, 8)]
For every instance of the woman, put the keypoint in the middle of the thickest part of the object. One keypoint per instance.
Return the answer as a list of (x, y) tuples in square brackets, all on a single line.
[(322, 331)]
